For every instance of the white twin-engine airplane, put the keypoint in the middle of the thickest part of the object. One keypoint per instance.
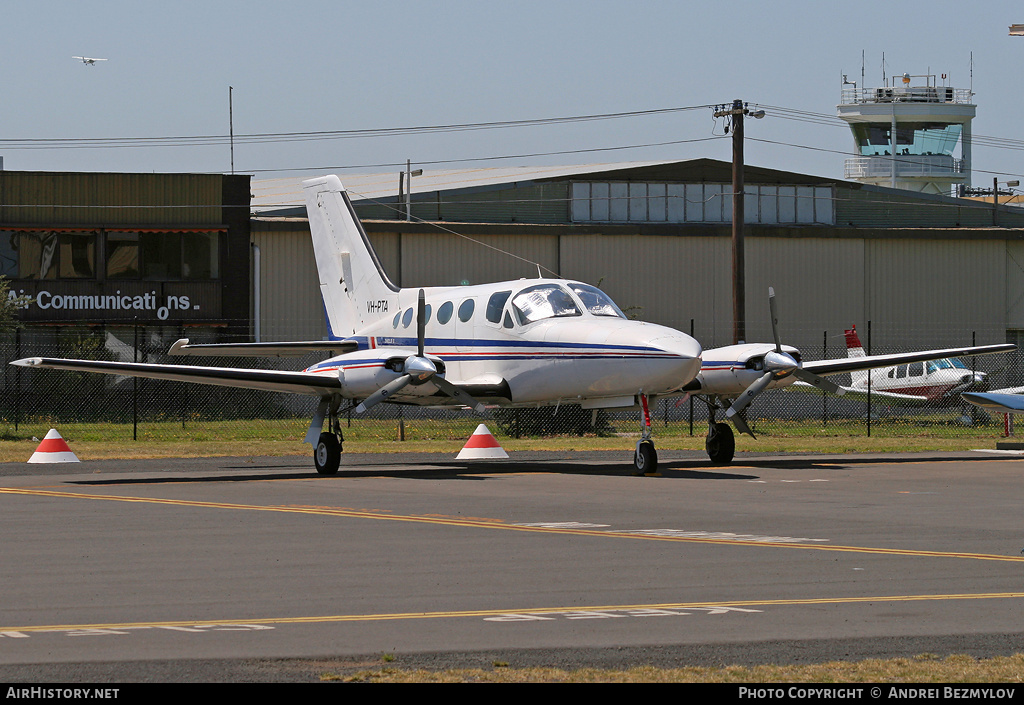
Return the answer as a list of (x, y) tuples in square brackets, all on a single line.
[(529, 343)]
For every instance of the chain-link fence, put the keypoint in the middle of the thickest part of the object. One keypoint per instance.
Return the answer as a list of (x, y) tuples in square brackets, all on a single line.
[(110, 406)]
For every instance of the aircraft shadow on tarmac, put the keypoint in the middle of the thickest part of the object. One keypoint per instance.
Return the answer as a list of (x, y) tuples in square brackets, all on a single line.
[(424, 469), (451, 470)]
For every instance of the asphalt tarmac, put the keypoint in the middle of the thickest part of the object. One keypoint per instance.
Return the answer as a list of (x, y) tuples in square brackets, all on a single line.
[(257, 569)]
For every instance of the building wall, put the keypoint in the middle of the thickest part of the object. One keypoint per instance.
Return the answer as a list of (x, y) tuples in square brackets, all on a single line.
[(928, 289)]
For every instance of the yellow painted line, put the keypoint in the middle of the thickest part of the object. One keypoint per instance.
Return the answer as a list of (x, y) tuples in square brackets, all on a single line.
[(498, 524), (457, 614)]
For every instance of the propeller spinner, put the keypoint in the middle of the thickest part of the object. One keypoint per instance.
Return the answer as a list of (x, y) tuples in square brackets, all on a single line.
[(777, 364)]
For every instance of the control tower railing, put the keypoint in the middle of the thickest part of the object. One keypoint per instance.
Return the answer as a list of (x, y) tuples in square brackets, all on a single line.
[(906, 94)]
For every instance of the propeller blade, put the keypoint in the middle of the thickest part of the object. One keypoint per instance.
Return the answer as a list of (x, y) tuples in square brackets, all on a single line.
[(383, 393), (775, 319), (741, 425), (818, 381), (748, 395), (421, 322), (458, 395)]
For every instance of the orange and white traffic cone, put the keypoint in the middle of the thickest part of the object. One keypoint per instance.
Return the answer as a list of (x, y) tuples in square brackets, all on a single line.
[(482, 445), (53, 449)]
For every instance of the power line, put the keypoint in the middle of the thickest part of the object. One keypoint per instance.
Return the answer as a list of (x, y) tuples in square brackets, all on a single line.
[(270, 137)]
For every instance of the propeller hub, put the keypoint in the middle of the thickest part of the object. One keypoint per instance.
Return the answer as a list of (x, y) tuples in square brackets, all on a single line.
[(780, 362), (419, 369)]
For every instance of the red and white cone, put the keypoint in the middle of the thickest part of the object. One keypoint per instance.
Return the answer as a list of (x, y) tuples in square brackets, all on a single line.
[(482, 445), (53, 449)]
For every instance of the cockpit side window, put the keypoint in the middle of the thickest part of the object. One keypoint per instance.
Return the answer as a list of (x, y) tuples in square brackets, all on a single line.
[(595, 300), (496, 304), (542, 301)]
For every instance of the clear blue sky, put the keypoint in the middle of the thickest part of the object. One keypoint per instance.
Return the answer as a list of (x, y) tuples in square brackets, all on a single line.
[(333, 65)]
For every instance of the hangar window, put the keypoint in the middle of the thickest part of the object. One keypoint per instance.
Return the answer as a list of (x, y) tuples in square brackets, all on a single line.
[(109, 254), (640, 202), (52, 254), (179, 255)]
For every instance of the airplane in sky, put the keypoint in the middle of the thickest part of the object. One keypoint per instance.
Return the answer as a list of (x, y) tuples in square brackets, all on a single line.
[(87, 60), (528, 343)]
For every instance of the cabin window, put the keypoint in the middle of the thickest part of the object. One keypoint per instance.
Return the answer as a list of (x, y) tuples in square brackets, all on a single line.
[(595, 300), (901, 371), (398, 317), (444, 313), (407, 318), (508, 320), (495, 305), (426, 314), (917, 369), (543, 301), (466, 310)]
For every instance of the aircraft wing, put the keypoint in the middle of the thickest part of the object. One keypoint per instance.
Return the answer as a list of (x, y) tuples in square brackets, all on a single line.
[(862, 395), (267, 380), (998, 403), (853, 364), (334, 347)]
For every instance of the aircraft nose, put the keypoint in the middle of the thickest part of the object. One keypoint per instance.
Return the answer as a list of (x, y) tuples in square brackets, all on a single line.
[(682, 354)]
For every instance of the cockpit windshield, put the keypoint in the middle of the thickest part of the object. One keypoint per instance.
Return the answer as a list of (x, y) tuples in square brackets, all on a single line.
[(543, 301), (596, 301), (946, 364)]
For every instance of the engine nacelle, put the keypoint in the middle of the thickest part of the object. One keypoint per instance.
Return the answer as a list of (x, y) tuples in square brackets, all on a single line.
[(363, 372)]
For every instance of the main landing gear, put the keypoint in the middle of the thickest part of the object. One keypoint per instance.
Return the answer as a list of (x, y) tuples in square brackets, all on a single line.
[(645, 460), (327, 451), (720, 443)]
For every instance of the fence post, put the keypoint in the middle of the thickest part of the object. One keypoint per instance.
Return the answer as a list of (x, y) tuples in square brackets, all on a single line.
[(691, 396), (135, 384), (824, 394), (869, 381)]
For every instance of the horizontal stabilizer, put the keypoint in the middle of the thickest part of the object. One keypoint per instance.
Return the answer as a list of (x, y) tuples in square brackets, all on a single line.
[(334, 347)]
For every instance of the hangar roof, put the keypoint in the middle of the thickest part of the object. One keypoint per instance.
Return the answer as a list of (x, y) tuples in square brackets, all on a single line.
[(283, 197)]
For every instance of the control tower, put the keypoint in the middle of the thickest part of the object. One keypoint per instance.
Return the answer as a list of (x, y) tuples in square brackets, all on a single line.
[(905, 135)]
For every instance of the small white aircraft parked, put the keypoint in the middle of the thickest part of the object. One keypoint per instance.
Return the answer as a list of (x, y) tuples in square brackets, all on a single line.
[(516, 343), (87, 60), (731, 376)]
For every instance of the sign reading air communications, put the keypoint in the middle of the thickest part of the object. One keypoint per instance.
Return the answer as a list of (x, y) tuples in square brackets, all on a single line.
[(145, 301)]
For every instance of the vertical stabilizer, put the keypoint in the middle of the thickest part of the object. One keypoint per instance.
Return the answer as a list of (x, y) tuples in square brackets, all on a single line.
[(354, 287), (855, 349)]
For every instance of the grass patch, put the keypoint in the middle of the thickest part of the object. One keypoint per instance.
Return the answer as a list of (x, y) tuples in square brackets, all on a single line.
[(95, 441), (925, 668)]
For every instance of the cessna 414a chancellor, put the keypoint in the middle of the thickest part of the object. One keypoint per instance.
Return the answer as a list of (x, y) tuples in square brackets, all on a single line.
[(517, 343)]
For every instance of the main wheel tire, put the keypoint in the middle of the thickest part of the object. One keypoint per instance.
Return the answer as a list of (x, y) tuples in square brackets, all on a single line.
[(646, 459), (327, 454), (720, 444)]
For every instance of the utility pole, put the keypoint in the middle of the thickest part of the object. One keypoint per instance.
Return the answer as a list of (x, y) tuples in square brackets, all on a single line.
[(739, 304)]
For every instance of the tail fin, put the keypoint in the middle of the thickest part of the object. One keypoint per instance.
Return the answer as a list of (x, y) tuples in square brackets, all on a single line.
[(855, 349), (354, 287)]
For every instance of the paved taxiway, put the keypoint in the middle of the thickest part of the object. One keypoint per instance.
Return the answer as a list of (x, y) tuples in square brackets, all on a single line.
[(259, 558)]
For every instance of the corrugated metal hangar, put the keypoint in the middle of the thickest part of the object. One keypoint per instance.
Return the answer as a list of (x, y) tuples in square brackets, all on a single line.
[(921, 270), (194, 254)]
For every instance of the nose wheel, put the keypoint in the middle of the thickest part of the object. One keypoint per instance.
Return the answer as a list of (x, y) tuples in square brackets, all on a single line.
[(645, 460)]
